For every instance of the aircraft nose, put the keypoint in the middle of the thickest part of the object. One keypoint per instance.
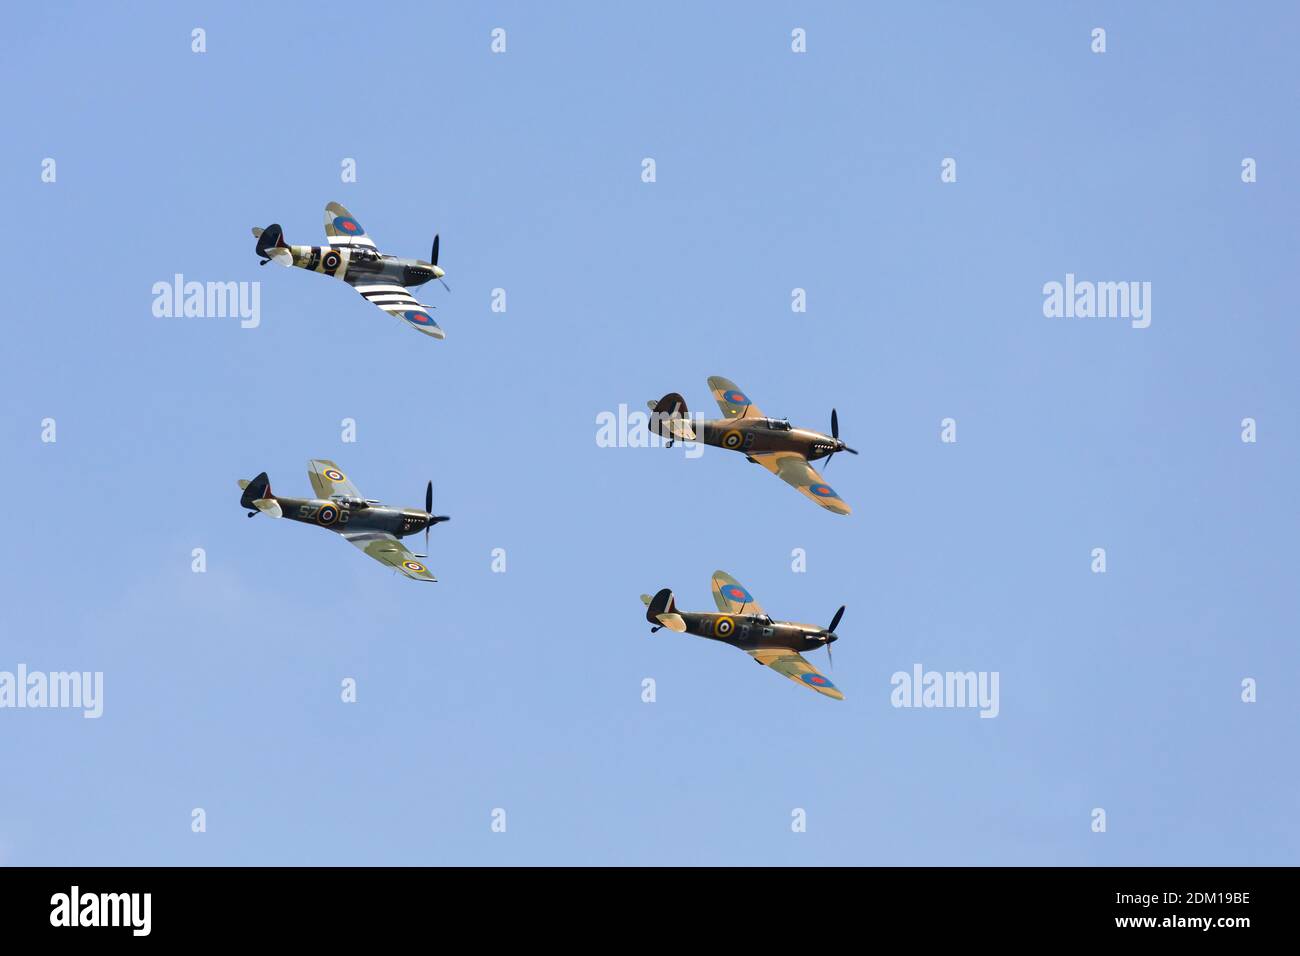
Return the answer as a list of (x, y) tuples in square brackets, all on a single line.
[(437, 272)]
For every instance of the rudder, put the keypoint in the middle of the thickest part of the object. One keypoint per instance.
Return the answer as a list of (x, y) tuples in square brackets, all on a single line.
[(666, 411), (259, 497), (661, 603), (258, 488)]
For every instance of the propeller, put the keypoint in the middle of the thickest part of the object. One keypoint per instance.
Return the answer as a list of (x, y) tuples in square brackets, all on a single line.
[(829, 633), (433, 258), (835, 433), (433, 519)]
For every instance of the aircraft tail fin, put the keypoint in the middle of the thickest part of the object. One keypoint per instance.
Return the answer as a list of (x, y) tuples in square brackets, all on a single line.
[(271, 244), (258, 495), (662, 611), (670, 404), (668, 417)]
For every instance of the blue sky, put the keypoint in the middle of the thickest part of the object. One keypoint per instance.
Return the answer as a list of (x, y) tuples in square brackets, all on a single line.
[(522, 690)]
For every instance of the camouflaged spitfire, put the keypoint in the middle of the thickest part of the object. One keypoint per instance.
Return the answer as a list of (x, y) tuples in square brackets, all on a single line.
[(339, 507), (742, 622), (774, 443), (351, 256)]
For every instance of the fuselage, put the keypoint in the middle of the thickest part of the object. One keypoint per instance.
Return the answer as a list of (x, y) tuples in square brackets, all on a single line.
[(754, 436), (353, 514), (748, 631), (364, 265)]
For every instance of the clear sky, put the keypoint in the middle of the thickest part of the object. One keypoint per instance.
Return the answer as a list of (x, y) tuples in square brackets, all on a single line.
[(775, 170)]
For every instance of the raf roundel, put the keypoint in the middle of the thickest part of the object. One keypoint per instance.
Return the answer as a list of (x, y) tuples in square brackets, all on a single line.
[(732, 439), (327, 515), (348, 226), (822, 490), (817, 680), (734, 592), (419, 318), (415, 566), (723, 626), (735, 397), (333, 474)]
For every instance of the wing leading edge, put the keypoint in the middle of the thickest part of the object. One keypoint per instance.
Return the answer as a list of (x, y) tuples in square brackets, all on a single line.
[(342, 231), (733, 402), (795, 471), (328, 480), (792, 665), (732, 597), (399, 303), (385, 548)]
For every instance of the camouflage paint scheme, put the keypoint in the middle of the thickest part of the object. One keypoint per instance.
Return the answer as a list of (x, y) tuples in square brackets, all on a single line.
[(339, 507), (352, 257), (742, 622), (774, 443)]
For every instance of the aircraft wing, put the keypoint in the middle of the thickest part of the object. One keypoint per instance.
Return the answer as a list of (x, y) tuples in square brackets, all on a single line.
[(794, 470), (385, 548), (342, 230), (327, 480), (732, 597), (399, 303), (733, 402), (793, 666)]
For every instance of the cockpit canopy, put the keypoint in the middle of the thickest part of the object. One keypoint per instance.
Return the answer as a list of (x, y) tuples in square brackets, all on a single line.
[(351, 502), (777, 424)]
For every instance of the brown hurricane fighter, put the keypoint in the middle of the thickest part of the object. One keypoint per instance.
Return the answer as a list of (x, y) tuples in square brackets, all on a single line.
[(742, 622), (338, 506), (774, 443)]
